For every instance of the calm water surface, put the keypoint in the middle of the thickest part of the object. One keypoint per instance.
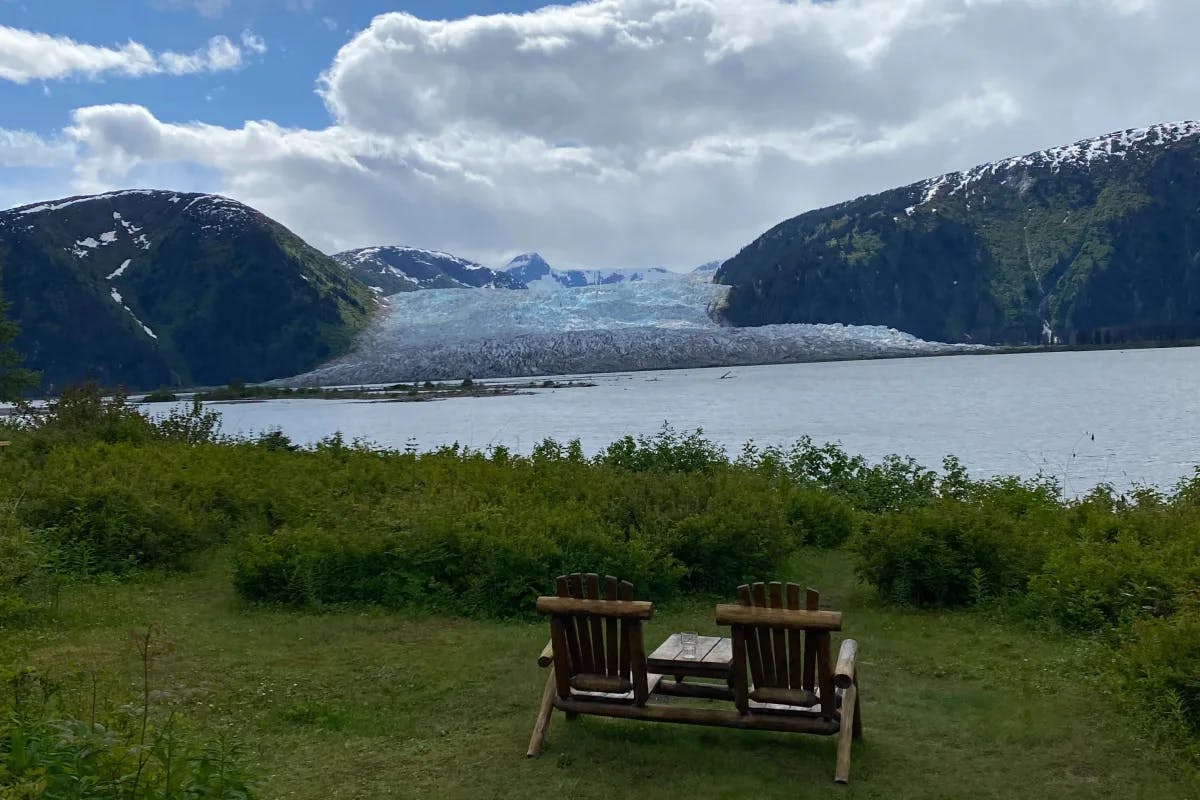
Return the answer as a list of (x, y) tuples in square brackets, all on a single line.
[(1123, 417)]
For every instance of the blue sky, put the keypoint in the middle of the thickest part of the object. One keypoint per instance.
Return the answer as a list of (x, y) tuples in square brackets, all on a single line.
[(302, 37), (605, 133)]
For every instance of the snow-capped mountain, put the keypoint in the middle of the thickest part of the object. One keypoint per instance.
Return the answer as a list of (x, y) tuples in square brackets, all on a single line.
[(148, 288), (1094, 242), (391, 270), (533, 271)]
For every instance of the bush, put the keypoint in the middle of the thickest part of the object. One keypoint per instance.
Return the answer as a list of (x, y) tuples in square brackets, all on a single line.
[(1162, 665), (821, 519), (951, 553)]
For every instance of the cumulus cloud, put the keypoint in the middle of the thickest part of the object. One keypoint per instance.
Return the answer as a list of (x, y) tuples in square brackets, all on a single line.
[(642, 132), (26, 56)]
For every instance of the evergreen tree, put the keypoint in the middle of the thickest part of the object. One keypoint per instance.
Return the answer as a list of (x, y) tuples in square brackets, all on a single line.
[(13, 379)]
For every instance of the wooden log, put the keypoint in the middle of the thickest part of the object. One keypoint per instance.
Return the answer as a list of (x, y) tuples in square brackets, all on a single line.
[(779, 638), (730, 614), (812, 602), (562, 666), (582, 629), (741, 689), (716, 717), (542, 725), (751, 639), (612, 650), (785, 697), (637, 663), (843, 673), (622, 609), (547, 656), (846, 734), (765, 645), (707, 691), (625, 591), (600, 683), (825, 676), (795, 651), (599, 659), (564, 590)]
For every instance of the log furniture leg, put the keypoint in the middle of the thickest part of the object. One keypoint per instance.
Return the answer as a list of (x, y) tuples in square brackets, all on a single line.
[(846, 734), (542, 726)]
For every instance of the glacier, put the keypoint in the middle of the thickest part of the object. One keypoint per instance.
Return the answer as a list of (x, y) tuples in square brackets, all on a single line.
[(673, 322)]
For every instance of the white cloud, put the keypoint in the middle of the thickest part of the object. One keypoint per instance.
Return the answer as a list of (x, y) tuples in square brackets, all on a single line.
[(26, 149), (639, 132), (253, 42), (26, 56)]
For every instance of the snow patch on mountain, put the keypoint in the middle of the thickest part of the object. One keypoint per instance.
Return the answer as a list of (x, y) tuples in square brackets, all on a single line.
[(392, 269), (119, 271), (1110, 147), (116, 296), (536, 273)]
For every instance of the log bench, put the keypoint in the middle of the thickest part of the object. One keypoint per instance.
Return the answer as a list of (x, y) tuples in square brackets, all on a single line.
[(776, 665)]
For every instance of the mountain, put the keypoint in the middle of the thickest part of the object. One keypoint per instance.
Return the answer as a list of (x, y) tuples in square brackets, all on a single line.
[(148, 288), (533, 271), (1093, 242), (391, 270)]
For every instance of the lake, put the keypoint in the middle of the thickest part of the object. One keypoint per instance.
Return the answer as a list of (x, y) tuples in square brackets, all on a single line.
[(1124, 417)]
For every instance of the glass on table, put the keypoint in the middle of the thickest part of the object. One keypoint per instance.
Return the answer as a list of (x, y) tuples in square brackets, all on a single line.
[(687, 644)]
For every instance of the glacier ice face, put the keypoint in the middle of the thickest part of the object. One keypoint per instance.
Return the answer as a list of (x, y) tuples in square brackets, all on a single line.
[(446, 334)]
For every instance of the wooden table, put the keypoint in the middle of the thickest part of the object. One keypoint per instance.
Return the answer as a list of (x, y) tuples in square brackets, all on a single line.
[(714, 659)]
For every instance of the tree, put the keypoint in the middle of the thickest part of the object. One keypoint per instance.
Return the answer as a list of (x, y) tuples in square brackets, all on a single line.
[(13, 379)]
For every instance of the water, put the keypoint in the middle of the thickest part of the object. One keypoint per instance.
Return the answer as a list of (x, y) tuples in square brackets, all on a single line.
[(1125, 417)]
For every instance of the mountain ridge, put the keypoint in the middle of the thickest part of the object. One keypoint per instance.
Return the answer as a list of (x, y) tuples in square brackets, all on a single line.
[(391, 269), (148, 287), (1093, 242)]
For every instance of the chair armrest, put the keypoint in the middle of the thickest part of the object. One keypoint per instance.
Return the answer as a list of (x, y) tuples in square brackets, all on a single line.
[(844, 673), (547, 656)]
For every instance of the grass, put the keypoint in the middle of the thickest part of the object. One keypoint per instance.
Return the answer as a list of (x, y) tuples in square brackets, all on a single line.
[(365, 703)]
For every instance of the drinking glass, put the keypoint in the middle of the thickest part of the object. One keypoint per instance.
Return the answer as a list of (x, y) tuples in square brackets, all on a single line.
[(687, 642)]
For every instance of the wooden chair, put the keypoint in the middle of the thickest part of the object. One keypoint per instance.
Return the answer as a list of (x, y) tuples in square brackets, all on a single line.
[(598, 654), (597, 648), (787, 649)]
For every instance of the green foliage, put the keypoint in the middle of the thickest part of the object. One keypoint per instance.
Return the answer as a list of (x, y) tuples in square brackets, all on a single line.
[(1162, 664), (666, 451), (141, 751), (13, 379), (947, 554)]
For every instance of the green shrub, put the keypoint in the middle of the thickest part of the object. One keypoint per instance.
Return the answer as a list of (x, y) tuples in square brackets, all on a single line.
[(144, 750), (1116, 563), (666, 451), (1162, 665), (821, 519), (950, 553)]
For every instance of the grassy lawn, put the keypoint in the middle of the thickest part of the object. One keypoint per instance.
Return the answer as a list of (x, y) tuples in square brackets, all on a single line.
[(374, 704)]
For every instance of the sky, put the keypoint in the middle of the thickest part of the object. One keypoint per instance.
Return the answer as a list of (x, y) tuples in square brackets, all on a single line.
[(605, 133)]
